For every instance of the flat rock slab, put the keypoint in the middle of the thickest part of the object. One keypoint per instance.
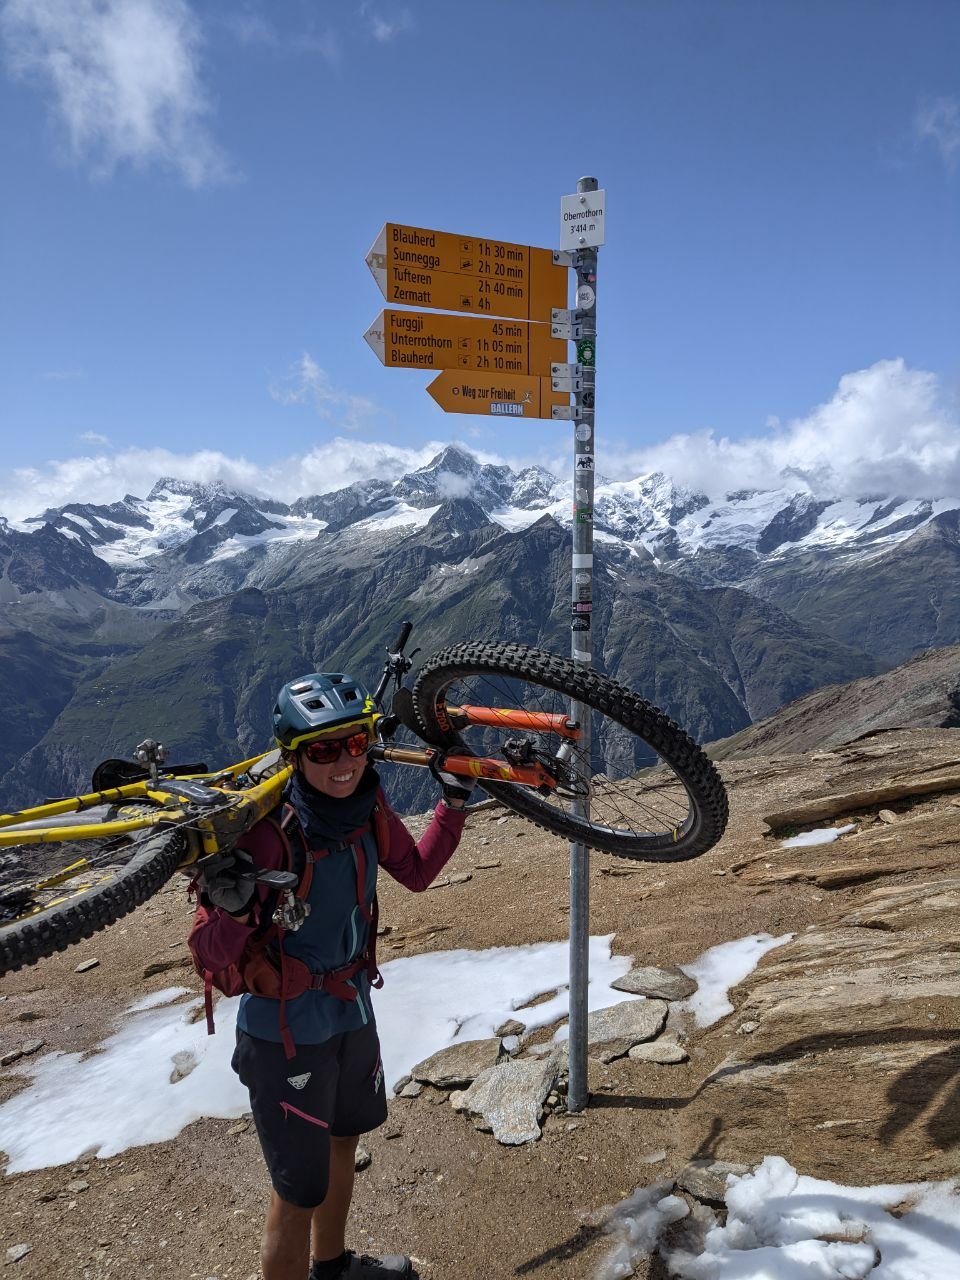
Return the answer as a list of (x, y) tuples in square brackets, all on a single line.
[(510, 1097), (458, 1064), (612, 1033), (665, 1052), (898, 907), (884, 855), (707, 1179), (854, 1063), (822, 807), (662, 984)]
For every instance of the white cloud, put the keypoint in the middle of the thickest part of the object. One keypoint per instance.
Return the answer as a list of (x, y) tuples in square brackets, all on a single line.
[(888, 429), (453, 486), (384, 29), (106, 477), (94, 437), (251, 27), (63, 375), (938, 122), (307, 383), (124, 76)]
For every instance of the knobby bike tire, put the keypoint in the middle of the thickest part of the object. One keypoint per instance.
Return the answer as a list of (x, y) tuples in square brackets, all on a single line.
[(707, 797), (154, 861)]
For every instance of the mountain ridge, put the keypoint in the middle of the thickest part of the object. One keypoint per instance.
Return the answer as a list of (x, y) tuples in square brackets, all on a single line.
[(226, 588)]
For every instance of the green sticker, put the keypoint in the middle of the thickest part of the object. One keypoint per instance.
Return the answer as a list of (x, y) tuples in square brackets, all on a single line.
[(586, 352)]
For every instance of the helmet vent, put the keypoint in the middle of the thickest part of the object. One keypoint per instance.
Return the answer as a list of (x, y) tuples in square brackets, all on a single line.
[(314, 704), (304, 687), (349, 695)]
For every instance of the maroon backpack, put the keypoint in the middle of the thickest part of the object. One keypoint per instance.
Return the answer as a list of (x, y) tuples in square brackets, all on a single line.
[(263, 968)]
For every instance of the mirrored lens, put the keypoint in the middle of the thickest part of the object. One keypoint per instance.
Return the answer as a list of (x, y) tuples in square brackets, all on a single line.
[(327, 750), (357, 743)]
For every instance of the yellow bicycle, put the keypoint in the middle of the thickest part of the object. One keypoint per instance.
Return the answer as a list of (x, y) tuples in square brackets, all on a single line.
[(499, 712)]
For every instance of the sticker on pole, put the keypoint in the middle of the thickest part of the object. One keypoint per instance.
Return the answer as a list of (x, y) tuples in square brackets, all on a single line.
[(583, 220), (586, 353)]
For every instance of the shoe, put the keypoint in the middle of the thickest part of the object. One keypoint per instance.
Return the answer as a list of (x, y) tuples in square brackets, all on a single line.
[(361, 1266)]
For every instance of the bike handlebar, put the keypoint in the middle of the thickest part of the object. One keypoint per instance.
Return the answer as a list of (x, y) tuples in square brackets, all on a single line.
[(396, 663), (402, 638)]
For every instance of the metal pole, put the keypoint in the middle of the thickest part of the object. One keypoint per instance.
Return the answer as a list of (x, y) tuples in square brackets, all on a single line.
[(584, 453)]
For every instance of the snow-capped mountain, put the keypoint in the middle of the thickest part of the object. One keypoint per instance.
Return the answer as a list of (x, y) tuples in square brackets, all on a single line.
[(726, 540), (178, 614)]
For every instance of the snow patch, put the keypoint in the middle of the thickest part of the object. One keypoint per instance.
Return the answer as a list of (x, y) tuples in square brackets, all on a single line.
[(122, 1096), (516, 518), (786, 1225), (720, 968), (297, 529), (823, 835), (401, 513)]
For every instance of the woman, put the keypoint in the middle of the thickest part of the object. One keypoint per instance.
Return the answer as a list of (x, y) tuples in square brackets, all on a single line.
[(311, 1061)]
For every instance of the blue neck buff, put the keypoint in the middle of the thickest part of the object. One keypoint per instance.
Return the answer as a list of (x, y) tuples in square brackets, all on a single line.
[(328, 820)]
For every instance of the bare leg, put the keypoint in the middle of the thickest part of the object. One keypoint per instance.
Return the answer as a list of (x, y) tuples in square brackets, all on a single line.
[(329, 1227), (284, 1249)]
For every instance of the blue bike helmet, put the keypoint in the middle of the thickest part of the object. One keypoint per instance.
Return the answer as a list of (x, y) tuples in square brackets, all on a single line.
[(315, 703)]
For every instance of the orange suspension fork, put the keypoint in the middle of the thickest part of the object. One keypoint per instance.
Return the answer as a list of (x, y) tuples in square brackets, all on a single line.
[(498, 718), (527, 775)]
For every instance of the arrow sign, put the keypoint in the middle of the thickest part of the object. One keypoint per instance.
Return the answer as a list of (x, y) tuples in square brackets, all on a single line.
[(511, 395), (423, 268), (419, 340)]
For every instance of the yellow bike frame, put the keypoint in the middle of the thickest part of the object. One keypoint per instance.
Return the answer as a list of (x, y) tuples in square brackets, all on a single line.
[(206, 832)]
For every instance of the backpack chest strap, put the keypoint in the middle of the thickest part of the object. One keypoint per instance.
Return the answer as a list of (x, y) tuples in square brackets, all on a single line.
[(290, 824)]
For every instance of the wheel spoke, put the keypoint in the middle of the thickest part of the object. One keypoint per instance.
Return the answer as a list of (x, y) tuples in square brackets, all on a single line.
[(650, 786)]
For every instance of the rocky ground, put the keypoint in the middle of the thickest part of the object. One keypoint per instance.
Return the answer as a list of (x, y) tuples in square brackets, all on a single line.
[(842, 1055)]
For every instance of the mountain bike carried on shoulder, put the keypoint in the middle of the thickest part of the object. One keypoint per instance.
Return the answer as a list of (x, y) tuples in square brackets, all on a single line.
[(497, 712)]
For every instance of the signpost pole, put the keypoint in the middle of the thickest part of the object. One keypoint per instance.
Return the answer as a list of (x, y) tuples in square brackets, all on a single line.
[(584, 454)]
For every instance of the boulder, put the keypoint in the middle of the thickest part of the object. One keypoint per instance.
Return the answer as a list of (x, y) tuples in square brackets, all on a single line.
[(663, 984), (612, 1033), (458, 1064), (510, 1097)]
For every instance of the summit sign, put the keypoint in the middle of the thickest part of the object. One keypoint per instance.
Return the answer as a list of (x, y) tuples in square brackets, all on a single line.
[(583, 220)]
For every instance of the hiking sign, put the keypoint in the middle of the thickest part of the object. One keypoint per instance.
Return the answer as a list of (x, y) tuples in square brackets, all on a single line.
[(420, 340), (495, 395), (416, 266)]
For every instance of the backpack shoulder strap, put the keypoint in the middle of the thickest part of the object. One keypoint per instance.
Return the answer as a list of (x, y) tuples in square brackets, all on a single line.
[(268, 905), (381, 824), (297, 850)]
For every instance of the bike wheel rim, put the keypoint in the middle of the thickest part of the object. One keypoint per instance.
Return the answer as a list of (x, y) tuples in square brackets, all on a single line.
[(642, 798)]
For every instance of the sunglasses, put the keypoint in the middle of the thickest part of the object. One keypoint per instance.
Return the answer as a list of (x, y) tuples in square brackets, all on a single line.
[(326, 750)]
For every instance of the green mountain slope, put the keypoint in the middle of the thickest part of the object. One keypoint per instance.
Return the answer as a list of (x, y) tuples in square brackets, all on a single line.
[(205, 684)]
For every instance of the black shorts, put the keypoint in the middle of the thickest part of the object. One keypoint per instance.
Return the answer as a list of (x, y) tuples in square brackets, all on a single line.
[(330, 1089)]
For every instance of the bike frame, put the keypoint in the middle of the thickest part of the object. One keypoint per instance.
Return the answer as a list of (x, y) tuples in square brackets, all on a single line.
[(210, 831), (206, 831)]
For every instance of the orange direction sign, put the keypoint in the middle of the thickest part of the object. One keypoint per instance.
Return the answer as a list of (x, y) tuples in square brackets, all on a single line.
[(419, 340), (423, 268), (511, 396)]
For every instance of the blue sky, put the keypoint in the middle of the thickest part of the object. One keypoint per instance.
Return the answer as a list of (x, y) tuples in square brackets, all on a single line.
[(190, 188)]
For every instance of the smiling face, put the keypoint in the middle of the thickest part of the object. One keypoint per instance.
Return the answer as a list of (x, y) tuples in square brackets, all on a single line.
[(342, 776)]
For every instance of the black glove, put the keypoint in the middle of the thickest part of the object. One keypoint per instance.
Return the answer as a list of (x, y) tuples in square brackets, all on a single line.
[(229, 881), (453, 785)]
